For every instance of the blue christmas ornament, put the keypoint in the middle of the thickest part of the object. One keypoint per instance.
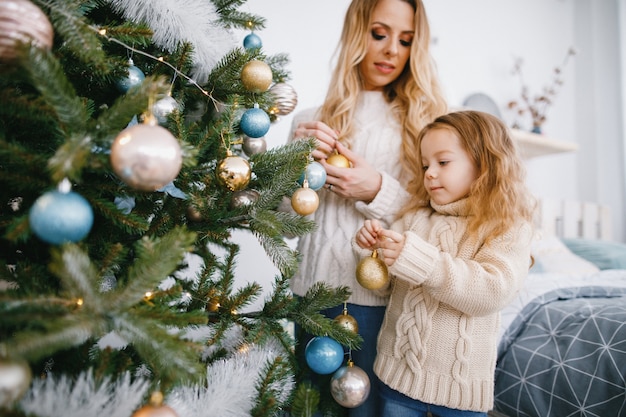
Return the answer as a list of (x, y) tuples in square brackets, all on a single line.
[(315, 174), (134, 77), (323, 355), (252, 41), (255, 123), (58, 217)]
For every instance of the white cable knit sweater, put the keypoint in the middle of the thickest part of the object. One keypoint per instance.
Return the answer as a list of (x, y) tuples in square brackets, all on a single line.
[(438, 341), (327, 253)]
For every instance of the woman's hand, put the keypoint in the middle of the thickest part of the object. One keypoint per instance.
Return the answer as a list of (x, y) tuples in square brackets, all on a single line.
[(324, 135), (360, 182)]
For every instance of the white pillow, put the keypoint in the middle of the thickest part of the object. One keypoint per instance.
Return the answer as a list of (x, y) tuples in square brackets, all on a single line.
[(551, 255)]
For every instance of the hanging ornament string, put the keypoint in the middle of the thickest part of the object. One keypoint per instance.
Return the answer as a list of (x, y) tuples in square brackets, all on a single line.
[(103, 32)]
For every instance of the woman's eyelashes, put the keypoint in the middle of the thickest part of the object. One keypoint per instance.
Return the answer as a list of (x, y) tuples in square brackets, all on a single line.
[(379, 36)]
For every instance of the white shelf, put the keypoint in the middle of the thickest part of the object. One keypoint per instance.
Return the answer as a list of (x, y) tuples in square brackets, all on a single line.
[(532, 145)]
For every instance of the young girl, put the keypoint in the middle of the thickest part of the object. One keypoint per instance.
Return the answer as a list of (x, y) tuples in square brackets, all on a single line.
[(457, 256), (384, 89)]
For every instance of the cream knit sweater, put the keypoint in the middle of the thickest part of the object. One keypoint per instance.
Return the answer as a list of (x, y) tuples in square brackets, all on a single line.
[(327, 253), (438, 342)]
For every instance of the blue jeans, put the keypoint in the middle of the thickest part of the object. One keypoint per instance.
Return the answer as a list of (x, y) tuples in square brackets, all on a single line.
[(396, 404), (369, 320)]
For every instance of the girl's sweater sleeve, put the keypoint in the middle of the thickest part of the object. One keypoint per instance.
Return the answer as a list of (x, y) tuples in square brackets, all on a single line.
[(391, 197), (479, 283)]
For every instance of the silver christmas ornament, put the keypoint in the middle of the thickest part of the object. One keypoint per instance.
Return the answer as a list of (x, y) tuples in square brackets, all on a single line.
[(285, 98), (146, 156), (350, 386), (244, 198), (253, 146), (15, 377), (164, 107)]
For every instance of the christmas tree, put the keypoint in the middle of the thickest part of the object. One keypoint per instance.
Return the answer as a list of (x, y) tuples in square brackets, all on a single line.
[(131, 146)]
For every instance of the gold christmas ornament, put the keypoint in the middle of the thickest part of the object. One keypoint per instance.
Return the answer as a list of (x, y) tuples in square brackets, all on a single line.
[(234, 172), (22, 21), (348, 322), (285, 98), (338, 160), (256, 76), (156, 408), (15, 378), (305, 201), (213, 304), (146, 156), (372, 273), (193, 214)]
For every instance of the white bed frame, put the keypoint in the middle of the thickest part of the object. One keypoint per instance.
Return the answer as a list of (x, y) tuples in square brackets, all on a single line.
[(572, 219)]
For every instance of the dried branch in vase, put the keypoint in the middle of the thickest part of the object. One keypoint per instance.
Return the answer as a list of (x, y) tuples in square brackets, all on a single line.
[(537, 106)]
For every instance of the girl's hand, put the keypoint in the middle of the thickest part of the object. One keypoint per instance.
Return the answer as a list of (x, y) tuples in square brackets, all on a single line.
[(391, 244), (360, 182), (367, 236), (325, 136)]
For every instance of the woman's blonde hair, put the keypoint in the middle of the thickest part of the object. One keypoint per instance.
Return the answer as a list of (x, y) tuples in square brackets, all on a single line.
[(415, 96), (499, 196)]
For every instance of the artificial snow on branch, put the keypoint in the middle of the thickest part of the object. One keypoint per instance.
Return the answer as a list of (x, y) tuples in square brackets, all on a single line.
[(176, 21)]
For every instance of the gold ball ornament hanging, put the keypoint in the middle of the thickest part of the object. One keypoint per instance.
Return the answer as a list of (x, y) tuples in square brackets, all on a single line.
[(256, 76), (156, 408), (305, 200), (22, 22), (285, 98), (146, 156), (338, 160), (234, 172), (347, 321), (372, 273), (15, 378)]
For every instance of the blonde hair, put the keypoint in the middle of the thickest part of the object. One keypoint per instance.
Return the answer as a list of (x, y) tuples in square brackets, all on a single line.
[(415, 96), (499, 196)]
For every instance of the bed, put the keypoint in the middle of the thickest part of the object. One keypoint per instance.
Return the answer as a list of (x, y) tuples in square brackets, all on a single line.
[(562, 348)]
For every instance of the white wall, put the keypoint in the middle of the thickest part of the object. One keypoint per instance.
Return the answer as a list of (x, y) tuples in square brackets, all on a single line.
[(475, 44)]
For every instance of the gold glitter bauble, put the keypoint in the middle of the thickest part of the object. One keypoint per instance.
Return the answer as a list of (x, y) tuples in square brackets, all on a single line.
[(234, 172), (305, 201), (256, 76), (372, 273), (285, 98), (22, 21), (348, 322), (15, 377), (338, 160), (146, 156)]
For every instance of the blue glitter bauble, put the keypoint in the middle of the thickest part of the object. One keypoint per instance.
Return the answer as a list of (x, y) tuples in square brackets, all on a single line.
[(315, 175), (255, 123), (134, 77), (252, 41), (323, 355), (58, 217)]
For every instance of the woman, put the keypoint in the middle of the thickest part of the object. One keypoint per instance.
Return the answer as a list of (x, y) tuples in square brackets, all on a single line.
[(383, 90)]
